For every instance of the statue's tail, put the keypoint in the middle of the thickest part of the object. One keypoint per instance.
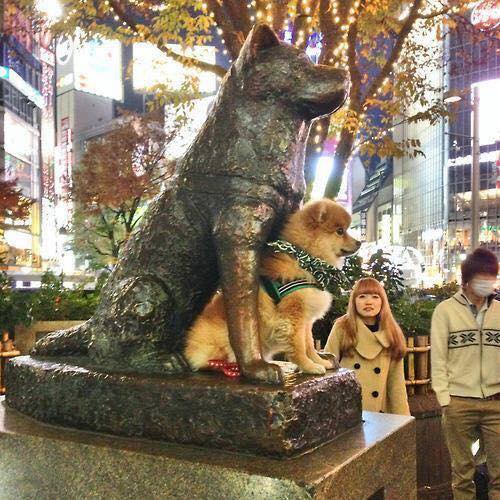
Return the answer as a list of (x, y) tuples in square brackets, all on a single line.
[(71, 342)]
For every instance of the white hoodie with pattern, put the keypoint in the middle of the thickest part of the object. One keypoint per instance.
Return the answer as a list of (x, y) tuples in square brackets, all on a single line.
[(465, 358)]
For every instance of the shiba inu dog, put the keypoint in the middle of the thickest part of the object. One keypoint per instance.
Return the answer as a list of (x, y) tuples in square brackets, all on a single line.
[(285, 323), (242, 175)]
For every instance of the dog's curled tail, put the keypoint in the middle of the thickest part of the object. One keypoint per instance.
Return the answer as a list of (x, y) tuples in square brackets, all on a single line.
[(70, 342)]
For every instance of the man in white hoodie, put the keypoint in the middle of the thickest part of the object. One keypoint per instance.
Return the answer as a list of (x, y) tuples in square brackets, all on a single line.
[(465, 340)]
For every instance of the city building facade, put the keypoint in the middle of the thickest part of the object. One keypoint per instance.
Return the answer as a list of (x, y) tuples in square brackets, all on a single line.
[(473, 69), (421, 208), (26, 133)]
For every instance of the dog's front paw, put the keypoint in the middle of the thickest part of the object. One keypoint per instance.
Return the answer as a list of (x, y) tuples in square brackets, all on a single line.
[(329, 361), (262, 371), (328, 364), (313, 369)]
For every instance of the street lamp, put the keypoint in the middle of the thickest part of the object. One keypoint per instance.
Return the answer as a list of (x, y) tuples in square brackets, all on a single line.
[(451, 97), (51, 9)]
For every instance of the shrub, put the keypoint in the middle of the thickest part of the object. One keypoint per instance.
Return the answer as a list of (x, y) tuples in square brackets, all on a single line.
[(414, 316), (53, 302), (14, 305)]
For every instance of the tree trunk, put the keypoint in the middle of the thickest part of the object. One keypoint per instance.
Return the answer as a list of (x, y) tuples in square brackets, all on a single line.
[(312, 153), (340, 159)]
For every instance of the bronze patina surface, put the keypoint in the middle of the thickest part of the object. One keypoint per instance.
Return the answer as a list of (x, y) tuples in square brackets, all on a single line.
[(201, 409), (241, 176), (46, 462)]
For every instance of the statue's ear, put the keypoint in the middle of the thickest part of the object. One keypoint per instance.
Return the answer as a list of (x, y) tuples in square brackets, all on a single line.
[(262, 37)]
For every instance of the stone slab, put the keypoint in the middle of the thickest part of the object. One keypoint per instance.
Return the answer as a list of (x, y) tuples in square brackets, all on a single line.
[(39, 461), (202, 409)]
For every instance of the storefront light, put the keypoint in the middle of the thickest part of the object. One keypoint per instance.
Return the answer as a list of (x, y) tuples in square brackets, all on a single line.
[(25, 88), (18, 239)]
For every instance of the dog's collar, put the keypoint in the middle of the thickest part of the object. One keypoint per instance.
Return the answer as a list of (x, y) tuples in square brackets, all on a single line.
[(329, 278), (277, 290)]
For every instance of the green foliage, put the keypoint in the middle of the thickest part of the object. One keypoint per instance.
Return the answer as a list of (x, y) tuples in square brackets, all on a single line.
[(382, 269), (414, 316), (413, 311), (14, 307), (54, 302), (51, 302), (438, 292)]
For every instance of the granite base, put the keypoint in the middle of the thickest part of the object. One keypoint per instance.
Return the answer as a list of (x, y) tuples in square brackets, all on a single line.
[(205, 409), (38, 461)]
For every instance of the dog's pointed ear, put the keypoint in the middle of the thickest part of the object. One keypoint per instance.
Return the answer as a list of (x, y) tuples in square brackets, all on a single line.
[(316, 214), (262, 37)]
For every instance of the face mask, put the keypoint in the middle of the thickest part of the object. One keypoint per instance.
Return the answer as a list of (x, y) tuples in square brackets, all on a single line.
[(482, 288)]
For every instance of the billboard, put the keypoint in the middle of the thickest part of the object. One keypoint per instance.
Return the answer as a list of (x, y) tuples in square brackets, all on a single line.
[(98, 68), (93, 66), (489, 124), (20, 140), (152, 67)]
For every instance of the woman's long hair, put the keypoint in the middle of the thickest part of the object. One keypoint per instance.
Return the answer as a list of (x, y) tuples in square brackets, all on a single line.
[(386, 320)]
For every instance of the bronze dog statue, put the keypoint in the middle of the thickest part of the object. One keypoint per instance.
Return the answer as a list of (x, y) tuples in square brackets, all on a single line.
[(241, 176)]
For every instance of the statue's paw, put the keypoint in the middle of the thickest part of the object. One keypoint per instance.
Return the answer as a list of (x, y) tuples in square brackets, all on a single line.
[(330, 361), (262, 371)]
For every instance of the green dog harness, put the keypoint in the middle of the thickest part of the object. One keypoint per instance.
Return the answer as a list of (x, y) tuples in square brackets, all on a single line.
[(277, 290)]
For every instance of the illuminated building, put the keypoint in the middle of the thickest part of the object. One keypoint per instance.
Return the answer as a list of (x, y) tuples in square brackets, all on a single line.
[(26, 134), (89, 84), (423, 203), (473, 64)]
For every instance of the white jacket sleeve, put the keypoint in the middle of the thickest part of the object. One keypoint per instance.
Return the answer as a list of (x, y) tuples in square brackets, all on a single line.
[(439, 355)]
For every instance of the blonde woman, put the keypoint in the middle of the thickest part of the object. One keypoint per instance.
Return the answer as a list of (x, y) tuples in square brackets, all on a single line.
[(368, 340)]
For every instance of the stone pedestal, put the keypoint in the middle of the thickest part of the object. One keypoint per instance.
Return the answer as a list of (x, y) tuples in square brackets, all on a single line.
[(202, 409), (41, 461)]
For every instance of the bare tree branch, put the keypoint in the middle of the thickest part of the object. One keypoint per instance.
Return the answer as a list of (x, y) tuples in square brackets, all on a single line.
[(187, 61), (398, 47)]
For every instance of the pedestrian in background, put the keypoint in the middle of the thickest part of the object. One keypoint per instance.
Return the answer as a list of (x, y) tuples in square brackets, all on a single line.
[(368, 340), (465, 362)]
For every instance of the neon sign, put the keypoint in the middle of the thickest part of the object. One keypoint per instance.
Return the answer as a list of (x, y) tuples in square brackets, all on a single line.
[(16, 81)]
